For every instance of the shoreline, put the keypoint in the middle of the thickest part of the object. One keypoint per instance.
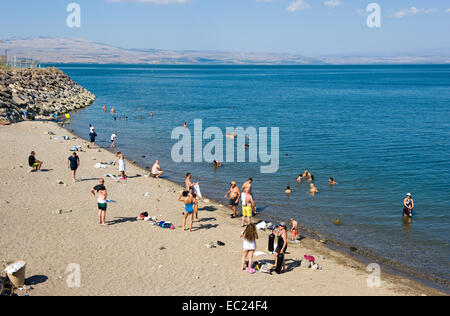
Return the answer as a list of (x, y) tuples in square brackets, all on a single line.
[(342, 275), (333, 245)]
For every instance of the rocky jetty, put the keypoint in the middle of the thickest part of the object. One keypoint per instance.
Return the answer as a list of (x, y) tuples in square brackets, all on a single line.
[(39, 92)]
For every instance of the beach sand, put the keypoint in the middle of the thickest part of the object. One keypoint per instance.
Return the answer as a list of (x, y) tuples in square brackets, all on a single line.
[(124, 258)]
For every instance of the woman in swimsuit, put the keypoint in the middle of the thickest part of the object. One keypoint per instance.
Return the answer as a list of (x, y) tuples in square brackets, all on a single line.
[(281, 245), (188, 200), (408, 206)]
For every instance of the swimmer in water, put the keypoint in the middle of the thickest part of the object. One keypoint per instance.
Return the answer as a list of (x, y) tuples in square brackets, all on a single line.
[(152, 114), (313, 190), (288, 190), (299, 178), (217, 164), (185, 124), (332, 182), (408, 206), (113, 111)]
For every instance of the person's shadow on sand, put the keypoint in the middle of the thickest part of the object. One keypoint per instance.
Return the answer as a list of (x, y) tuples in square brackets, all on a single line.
[(121, 220), (36, 279), (205, 226), (208, 209)]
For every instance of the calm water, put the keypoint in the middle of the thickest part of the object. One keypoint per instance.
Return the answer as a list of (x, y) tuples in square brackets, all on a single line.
[(380, 131)]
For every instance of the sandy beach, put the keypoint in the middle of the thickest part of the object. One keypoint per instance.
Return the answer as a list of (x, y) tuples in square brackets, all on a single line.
[(125, 258)]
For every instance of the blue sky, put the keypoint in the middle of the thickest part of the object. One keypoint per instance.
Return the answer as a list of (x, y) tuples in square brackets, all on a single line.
[(310, 27)]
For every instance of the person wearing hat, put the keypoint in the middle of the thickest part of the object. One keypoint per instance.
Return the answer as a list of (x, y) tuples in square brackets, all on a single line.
[(408, 206), (234, 193)]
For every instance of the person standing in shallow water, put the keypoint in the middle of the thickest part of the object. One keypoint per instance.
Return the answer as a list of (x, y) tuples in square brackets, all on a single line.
[(234, 195), (408, 206)]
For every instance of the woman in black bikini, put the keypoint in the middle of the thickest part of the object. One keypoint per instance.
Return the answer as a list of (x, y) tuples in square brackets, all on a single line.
[(281, 245)]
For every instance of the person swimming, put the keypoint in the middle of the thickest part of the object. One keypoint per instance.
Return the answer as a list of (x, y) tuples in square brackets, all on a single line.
[(332, 182), (313, 190), (288, 190)]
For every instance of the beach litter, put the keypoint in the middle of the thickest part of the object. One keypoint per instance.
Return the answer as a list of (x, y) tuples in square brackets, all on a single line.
[(210, 245), (147, 194), (63, 212), (100, 166), (262, 225), (220, 243), (59, 182), (16, 273)]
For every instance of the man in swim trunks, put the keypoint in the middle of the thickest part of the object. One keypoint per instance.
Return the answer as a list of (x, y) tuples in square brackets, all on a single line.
[(33, 162), (294, 229), (234, 193), (102, 195), (73, 162), (247, 185), (188, 200), (156, 170), (248, 206), (122, 166)]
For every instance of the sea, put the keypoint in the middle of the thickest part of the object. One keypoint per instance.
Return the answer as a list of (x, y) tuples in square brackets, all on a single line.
[(379, 131)]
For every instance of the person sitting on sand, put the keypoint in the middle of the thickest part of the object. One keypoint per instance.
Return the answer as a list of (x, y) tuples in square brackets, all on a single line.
[(313, 190), (408, 206), (122, 165), (34, 163), (234, 193), (288, 190), (188, 200), (73, 162), (294, 230), (250, 235), (281, 245), (102, 195), (332, 182), (248, 206), (156, 170)]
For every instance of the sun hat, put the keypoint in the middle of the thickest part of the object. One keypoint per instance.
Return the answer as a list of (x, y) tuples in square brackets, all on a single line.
[(408, 194), (283, 224)]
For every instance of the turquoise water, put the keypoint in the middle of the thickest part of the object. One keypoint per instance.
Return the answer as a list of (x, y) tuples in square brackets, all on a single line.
[(380, 131)]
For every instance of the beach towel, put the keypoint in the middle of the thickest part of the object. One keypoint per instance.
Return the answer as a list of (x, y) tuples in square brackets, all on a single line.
[(197, 190), (310, 258), (262, 225), (100, 166)]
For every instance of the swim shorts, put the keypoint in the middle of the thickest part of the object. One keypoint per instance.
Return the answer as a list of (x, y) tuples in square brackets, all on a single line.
[(295, 233), (247, 211), (234, 202), (102, 205)]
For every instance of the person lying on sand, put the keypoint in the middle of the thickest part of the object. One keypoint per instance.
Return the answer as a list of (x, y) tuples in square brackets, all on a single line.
[(102, 195), (188, 200), (156, 170), (234, 193), (34, 163)]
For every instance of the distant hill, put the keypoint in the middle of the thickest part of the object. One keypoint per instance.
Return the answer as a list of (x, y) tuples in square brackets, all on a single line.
[(68, 50)]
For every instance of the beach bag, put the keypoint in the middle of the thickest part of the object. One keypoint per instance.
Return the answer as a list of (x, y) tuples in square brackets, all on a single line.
[(279, 263)]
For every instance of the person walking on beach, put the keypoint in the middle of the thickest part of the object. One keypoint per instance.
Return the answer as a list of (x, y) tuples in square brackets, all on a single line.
[(248, 206), (294, 230), (122, 165), (188, 200), (234, 193), (102, 195), (247, 185), (34, 163), (408, 206), (92, 135), (157, 172), (113, 140), (249, 235), (73, 162), (281, 246)]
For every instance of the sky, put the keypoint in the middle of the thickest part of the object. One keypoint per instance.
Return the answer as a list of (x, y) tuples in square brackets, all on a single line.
[(307, 27)]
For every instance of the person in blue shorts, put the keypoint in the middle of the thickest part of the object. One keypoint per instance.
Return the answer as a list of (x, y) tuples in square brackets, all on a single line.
[(73, 162)]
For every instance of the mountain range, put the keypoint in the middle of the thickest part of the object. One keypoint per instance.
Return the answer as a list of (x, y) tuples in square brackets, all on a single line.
[(49, 50)]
